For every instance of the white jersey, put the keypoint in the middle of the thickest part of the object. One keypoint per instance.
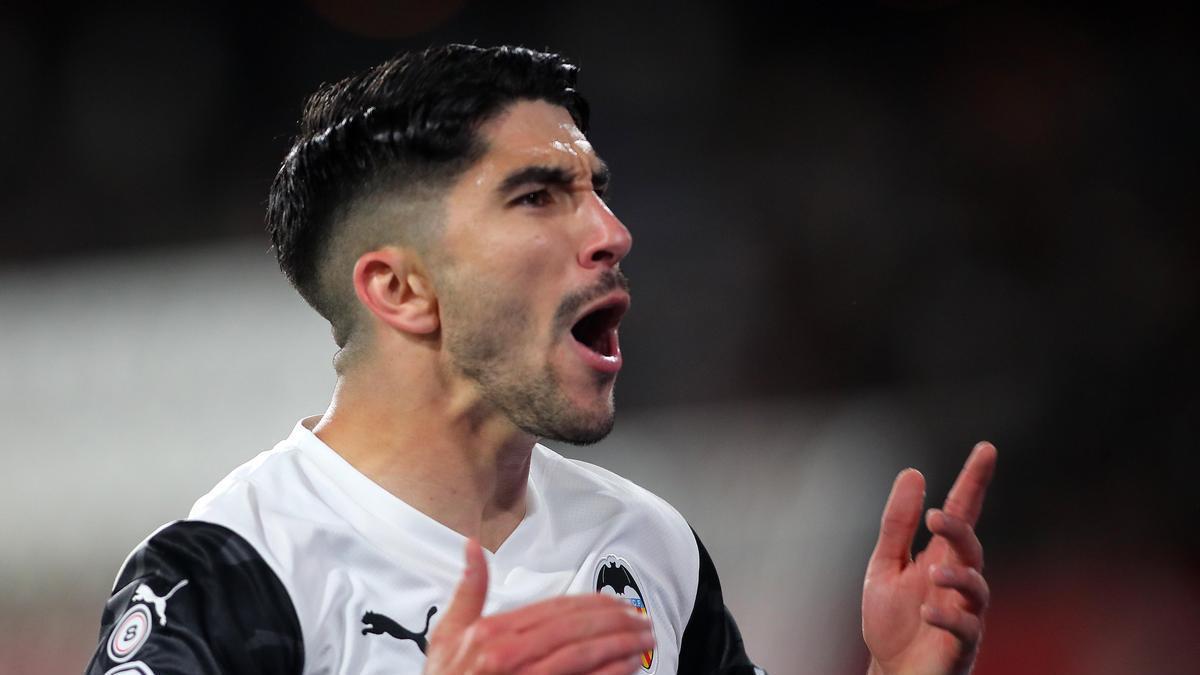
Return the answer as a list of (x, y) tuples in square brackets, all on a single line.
[(330, 573)]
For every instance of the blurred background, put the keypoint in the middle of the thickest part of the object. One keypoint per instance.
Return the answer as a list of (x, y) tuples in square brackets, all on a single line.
[(865, 239)]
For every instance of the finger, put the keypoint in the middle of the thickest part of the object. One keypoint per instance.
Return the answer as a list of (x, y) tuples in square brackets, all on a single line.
[(508, 650), (469, 597), (610, 650), (963, 625), (898, 525), (629, 667), (966, 496), (969, 583), (554, 609), (959, 535), (585, 625)]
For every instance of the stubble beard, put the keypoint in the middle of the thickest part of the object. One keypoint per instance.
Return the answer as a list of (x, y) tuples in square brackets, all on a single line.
[(530, 395)]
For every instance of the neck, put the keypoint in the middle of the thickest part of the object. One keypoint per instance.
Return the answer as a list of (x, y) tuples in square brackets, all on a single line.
[(440, 448)]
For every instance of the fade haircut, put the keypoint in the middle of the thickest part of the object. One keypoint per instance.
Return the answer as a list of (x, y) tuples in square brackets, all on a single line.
[(402, 131)]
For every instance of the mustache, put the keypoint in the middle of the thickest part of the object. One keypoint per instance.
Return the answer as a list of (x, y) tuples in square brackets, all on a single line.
[(609, 282)]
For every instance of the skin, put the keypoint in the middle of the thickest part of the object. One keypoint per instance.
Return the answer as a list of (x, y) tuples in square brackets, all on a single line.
[(570, 634), (924, 615), (470, 360)]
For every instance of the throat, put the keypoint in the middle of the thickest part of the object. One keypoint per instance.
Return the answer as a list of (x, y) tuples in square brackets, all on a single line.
[(492, 534), (474, 482)]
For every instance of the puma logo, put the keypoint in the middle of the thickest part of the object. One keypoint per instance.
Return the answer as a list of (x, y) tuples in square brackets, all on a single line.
[(379, 624), (146, 594)]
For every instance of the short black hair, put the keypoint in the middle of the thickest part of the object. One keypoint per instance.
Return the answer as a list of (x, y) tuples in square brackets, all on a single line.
[(407, 123)]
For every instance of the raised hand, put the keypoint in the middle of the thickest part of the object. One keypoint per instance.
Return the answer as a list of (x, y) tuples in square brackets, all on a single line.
[(592, 634), (925, 616)]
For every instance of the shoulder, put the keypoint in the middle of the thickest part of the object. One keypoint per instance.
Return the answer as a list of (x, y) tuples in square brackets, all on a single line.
[(270, 475), (595, 488), (620, 519), (197, 544), (264, 500), (180, 601), (207, 553), (272, 506)]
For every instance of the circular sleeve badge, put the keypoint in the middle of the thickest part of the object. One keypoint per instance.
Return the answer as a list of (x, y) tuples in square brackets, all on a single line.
[(130, 633)]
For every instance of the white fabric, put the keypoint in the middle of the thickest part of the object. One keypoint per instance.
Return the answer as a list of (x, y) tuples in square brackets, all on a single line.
[(343, 546)]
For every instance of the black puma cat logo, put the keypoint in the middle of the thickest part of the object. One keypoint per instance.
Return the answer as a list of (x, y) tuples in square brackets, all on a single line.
[(379, 624)]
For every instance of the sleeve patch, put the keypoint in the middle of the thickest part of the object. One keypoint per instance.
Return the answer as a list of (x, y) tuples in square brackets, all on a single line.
[(131, 668), (130, 633)]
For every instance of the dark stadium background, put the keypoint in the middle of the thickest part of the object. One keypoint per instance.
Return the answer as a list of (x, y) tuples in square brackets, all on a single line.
[(865, 238)]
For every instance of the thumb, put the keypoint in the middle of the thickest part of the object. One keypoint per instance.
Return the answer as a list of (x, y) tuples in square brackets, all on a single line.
[(467, 603), (898, 526)]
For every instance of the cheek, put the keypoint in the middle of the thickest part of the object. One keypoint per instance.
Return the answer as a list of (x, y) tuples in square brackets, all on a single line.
[(513, 268), (480, 321), (532, 265)]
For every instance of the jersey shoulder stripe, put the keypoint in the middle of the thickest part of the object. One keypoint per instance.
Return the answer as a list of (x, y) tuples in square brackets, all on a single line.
[(197, 598)]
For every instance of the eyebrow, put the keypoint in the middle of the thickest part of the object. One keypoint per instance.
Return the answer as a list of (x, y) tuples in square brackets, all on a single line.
[(552, 175)]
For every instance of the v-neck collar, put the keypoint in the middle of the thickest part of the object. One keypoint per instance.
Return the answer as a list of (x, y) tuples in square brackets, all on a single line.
[(394, 524)]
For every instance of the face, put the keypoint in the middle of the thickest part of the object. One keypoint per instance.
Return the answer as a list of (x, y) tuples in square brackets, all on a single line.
[(529, 287)]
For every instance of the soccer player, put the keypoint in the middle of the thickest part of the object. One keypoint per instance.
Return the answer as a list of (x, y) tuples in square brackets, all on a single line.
[(445, 212)]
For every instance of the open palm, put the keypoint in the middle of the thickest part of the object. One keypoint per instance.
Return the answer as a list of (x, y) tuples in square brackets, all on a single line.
[(924, 616)]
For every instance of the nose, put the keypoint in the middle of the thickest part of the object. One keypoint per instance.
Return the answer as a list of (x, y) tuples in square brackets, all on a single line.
[(608, 240)]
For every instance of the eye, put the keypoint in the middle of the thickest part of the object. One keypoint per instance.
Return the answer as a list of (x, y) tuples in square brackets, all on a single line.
[(536, 198)]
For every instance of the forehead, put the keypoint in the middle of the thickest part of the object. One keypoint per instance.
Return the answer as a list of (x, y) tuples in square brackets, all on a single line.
[(532, 133)]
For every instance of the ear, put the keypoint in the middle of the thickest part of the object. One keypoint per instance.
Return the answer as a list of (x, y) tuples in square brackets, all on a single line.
[(392, 284)]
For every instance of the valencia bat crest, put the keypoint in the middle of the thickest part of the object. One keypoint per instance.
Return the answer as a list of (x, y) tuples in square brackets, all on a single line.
[(614, 576)]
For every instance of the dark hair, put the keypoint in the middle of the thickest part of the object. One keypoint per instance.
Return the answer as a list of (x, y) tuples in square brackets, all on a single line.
[(410, 121)]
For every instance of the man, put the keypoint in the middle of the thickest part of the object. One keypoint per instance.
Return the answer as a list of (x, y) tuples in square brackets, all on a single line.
[(444, 211)]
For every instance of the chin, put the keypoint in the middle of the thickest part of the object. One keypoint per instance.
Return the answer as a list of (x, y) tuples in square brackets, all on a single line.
[(577, 426), (580, 435), (591, 434), (577, 411)]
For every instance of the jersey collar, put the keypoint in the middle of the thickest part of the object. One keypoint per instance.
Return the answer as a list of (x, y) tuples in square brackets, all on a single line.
[(394, 524)]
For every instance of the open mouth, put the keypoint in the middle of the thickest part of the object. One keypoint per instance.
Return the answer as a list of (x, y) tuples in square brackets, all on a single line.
[(597, 330)]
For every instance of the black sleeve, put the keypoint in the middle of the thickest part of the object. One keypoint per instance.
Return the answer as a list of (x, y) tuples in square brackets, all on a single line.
[(196, 598), (712, 644)]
